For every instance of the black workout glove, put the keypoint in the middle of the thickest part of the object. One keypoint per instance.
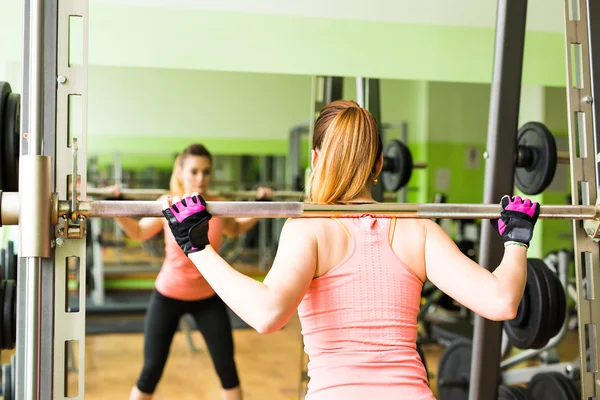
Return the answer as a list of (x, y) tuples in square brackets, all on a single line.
[(517, 219), (188, 220)]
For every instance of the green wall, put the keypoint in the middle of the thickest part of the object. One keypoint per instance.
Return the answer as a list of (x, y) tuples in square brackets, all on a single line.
[(177, 38)]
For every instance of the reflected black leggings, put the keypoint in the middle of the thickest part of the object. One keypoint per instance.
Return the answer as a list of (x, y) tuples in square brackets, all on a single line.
[(162, 320)]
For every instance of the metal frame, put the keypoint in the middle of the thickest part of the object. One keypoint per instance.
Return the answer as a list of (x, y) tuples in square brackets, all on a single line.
[(499, 179), (582, 23)]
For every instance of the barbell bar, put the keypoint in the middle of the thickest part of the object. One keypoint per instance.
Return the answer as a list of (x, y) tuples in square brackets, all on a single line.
[(153, 194), (9, 210)]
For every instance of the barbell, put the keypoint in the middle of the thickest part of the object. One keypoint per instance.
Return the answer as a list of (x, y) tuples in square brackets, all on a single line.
[(153, 194), (9, 210)]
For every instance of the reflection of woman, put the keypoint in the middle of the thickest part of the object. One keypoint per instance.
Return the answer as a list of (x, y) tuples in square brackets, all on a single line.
[(181, 289), (356, 281)]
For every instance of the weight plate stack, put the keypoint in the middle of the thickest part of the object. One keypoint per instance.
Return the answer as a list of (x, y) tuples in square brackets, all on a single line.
[(528, 330), (9, 315), (5, 90), (552, 386), (11, 145), (514, 393), (454, 371)]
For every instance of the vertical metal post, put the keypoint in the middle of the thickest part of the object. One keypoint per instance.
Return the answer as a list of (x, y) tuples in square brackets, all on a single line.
[(582, 24), (34, 218), (368, 96), (501, 147), (71, 123)]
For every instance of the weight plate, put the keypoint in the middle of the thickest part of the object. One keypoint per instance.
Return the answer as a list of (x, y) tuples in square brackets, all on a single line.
[(553, 307), (548, 387), (509, 393), (454, 371), (13, 317), (7, 386), (4, 263), (561, 300), (397, 166), (11, 270), (8, 322), (535, 170), (523, 392), (567, 384), (5, 90), (528, 334), (2, 286), (12, 112)]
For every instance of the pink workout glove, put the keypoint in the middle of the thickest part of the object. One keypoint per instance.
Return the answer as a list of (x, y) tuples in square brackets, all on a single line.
[(188, 220), (517, 219)]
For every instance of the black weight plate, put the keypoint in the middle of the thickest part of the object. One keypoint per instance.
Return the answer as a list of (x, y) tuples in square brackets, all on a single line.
[(8, 322), (4, 263), (567, 384), (528, 335), (5, 90), (12, 136), (11, 270), (7, 383), (454, 371), (2, 286), (547, 387), (397, 166), (561, 299), (534, 177), (13, 317), (508, 393), (553, 307), (523, 392)]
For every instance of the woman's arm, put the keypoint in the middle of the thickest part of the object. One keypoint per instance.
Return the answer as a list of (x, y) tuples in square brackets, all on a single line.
[(142, 229), (233, 227), (266, 306), (493, 295)]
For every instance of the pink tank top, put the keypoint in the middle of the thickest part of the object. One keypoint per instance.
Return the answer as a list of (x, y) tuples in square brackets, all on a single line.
[(178, 277), (359, 322)]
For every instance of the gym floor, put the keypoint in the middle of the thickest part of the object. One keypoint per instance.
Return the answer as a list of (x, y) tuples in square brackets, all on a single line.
[(269, 365)]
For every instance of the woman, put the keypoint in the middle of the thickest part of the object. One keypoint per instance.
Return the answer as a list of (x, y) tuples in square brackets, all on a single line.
[(181, 289), (356, 281)]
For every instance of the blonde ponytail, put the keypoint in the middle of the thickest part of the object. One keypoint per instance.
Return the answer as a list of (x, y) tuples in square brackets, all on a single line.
[(349, 146), (175, 185)]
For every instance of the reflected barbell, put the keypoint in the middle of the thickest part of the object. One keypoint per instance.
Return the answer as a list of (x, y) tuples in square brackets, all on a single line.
[(9, 210), (153, 194)]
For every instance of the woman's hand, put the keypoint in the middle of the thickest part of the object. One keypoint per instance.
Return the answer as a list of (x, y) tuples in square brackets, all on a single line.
[(188, 219), (264, 193)]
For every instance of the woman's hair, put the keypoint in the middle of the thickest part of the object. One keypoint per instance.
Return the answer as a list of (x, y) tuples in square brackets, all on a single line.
[(175, 185), (347, 138)]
